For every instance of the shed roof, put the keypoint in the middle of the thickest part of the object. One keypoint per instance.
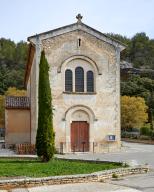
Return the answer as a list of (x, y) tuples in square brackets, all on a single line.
[(17, 102)]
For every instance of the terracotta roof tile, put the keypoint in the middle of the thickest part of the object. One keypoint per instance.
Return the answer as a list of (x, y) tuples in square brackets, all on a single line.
[(17, 102)]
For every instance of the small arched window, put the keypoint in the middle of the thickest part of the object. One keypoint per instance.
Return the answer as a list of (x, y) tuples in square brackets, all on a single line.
[(79, 79), (68, 80), (90, 81)]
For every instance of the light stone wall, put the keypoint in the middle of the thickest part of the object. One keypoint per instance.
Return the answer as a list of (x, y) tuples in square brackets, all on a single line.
[(102, 107)]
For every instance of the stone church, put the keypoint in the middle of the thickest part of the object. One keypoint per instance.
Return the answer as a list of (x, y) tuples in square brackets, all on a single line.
[(85, 82)]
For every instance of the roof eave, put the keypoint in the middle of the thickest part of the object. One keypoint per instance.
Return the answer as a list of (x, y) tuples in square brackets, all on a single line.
[(29, 62)]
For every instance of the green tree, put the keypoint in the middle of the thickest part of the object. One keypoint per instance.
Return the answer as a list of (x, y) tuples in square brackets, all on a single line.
[(142, 87), (12, 64), (45, 133), (139, 50), (133, 112)]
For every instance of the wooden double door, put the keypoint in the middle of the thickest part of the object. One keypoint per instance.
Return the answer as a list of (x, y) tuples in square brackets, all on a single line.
[(79, 136)]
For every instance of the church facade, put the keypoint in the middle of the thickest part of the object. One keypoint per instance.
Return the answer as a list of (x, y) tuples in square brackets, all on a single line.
[(85, 84)]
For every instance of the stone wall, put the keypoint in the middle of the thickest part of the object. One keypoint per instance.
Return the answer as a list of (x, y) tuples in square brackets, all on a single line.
[(101, 176)]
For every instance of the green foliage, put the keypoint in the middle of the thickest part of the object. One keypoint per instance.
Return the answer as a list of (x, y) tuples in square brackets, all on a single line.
[(137, 86), (145, 130), (114, 175), (133, 112), (12, 64), (142, 51), (45, 134), (152, 135), (34, 168), (139, 51), (142, 87)]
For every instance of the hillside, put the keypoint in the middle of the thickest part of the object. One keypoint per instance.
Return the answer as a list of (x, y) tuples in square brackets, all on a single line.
[(139, 51), (12, 64)]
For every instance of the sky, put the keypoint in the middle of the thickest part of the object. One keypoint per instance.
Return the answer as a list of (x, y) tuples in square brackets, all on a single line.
[(22, 18)]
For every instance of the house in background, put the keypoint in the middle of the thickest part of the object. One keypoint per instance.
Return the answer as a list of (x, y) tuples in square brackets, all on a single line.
[(85, 82)]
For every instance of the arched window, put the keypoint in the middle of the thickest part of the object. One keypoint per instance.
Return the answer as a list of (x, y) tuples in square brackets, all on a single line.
[(79, 79), (68, 80), (90, 81)]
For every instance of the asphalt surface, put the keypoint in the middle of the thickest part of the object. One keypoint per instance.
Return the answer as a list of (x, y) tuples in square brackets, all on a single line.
[(131, 153), (144, 182), (79, 187)]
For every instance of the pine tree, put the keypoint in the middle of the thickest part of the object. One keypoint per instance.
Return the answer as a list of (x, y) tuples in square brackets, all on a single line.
[(45, 133)]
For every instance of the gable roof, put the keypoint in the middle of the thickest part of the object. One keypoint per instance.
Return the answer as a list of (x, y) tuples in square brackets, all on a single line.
[(17, 102), (63, 30), (77, 26)]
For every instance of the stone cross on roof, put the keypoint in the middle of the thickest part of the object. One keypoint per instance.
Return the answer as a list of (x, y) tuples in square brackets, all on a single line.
[(79, 18)]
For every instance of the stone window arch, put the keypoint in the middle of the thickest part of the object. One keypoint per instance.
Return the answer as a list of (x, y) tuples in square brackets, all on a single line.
[(79, 79), (68, 80), (79, 76)]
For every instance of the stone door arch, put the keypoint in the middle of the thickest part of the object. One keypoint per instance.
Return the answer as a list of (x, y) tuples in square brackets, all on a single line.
[(79, 121)]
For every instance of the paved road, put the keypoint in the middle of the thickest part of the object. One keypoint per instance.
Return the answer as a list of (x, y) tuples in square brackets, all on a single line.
[(132, 153), (143, 183), (79, 187)]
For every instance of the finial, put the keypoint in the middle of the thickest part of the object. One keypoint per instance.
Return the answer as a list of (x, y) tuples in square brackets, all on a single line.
[(79, 18)]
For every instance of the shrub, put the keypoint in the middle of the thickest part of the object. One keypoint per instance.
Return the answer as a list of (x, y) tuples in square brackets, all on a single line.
[(114, 175), (144, 137), (152, 134), (145, 130)]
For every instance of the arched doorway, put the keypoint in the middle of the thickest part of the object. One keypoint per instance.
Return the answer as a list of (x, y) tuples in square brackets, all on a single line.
[(79, 116)]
